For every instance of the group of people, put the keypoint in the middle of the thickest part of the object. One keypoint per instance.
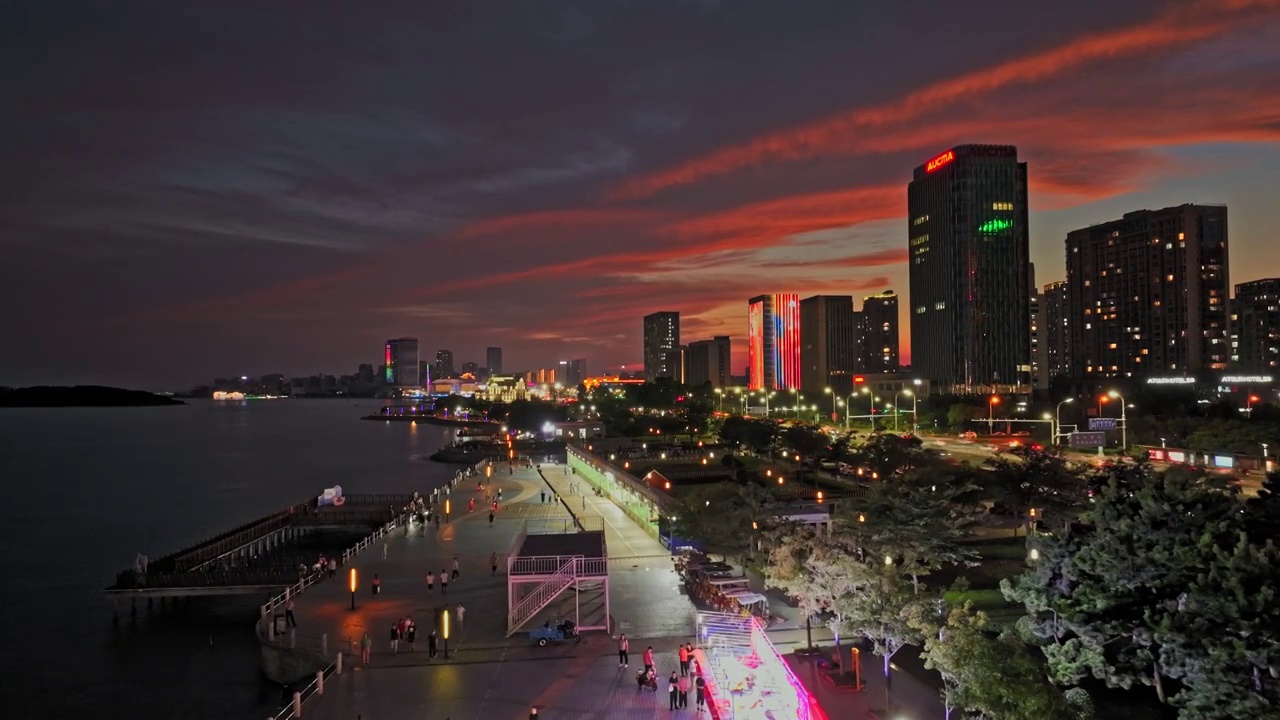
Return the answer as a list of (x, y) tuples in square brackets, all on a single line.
[(688, 677), (446, 576)]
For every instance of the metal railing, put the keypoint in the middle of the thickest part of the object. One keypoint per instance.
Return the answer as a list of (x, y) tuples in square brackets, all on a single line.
[(541, 595), (551, 564), (308, 691)]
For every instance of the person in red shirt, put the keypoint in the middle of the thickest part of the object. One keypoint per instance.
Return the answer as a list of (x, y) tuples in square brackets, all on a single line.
[(648, 658), (684, 660)]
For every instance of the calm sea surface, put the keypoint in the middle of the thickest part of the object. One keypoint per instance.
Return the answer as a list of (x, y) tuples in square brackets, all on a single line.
[(85, 490)]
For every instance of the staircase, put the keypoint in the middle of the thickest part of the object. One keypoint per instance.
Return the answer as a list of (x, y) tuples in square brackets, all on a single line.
[(542, 595)]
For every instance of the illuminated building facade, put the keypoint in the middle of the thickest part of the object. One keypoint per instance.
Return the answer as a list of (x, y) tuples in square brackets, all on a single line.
[(661, 337), (773, 350), (400, 361), (1255, 326), (968, 245), (1148, 293), (879, 336), (828, 343), (505, 388)]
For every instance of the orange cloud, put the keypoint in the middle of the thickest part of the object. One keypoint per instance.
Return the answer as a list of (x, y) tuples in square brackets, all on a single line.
[(1177, 28)]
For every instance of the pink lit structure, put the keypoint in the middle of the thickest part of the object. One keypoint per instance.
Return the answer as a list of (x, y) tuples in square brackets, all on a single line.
[(746, 676)]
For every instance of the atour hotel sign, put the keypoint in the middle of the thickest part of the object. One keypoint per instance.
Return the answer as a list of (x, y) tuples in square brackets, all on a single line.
[(939, 161)]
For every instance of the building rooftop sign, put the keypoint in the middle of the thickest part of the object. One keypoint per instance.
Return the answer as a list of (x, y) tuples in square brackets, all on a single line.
[(1171, 381), (1245, 379), (939, 161)]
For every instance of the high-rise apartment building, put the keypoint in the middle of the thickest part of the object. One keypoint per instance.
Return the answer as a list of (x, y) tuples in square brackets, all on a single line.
[(828, 343), (400, 358), (1255, 326), (773, 343), (968, 245), (879, 333), (444, 363), (493, 360), (707, 361), (1148, 293), (573, 372), (661, 336), (1055, 334), (1039, 348)]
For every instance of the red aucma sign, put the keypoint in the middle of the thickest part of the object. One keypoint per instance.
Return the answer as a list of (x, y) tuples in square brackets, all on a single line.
[(939, 161)]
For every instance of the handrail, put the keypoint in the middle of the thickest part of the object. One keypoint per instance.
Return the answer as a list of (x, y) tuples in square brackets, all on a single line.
[(545, 592), (307, 692)]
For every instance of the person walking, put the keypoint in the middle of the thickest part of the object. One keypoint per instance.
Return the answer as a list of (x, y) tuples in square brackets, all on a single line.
[(431, 580), (411, 634), (700, 692), (431, 645), (623, 646), (490, 518), (648, 658), (289, 620), (471, 505), (493, 564), (683, 688), (366, 648), (444, 583), (395, 638), (377, 584), (461, 613), (684, 661), (455, 568), (673, 691), (543, 495)]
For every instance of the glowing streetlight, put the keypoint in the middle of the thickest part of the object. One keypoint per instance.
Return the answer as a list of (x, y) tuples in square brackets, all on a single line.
[(444, 630), (1124, 425), (353, 588), (992, 402), (1057, 420)]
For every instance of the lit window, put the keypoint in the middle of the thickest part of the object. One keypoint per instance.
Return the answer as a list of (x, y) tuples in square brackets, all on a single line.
[(1112, 346), (940, 305), (1170, 277), (1168, 246), (920, 310), (1182, 236)]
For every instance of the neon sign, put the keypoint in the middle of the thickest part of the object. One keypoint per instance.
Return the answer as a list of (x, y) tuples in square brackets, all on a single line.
[(992, 227), (939, 161)]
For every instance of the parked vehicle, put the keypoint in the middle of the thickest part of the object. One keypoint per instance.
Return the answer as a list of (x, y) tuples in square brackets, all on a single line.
[(563, 632)]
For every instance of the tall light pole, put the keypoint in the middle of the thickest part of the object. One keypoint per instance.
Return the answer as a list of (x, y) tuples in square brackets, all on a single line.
[(796, 392), (873, 407), (992, 402), (832, 393), (848, 409), (909, 394), (1124, 424), (1057, 420), (720, 392), (1249, 404)]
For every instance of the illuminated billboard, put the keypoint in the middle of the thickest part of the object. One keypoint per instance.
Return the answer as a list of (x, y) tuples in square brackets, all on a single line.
[(786, 341), (755, 344), (943, 159)]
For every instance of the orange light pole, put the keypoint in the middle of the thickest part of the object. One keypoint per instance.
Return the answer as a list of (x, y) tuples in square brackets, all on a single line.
[(992, 402), (353, 588), (857, 670), (1249, 405), (444, 630)]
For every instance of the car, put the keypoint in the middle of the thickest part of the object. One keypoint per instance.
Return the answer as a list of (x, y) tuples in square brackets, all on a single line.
[(1022, 433), (998, 433)]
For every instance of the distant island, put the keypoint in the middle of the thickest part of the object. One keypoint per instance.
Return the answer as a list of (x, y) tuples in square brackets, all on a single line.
[(80, 396)]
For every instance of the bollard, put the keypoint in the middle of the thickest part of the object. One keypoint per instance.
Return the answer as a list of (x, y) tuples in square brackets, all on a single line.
[(319, 682), (337, 666), (324, 644), (297, 704)]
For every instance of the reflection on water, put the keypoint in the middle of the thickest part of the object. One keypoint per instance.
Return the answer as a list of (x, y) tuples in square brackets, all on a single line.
[(89, 488)]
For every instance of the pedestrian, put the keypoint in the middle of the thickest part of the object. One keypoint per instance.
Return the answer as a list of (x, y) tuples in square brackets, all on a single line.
[(444, 583), (384, 550), (490, 518), (648, 658), (455, 567), (493, 564), (543, 495), (461, 612), (377, 584), (333, 567), (471, 505), (366, 647), (395, 638), (431, 580), (673, 691), (700, 691), (288, 614), (683, 689), (499, 493), (623, 646), (412, 634), (431, 645), (684, 661)]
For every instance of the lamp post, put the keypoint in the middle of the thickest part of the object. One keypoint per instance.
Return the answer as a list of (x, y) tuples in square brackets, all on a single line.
[(444, 629), (909, 394), (721, 394), (1057, 421), (796, 392), (1124, 425), (832, 393), (873, 407), (353, 588), (848, 409), (1249, 404), (992, 402)]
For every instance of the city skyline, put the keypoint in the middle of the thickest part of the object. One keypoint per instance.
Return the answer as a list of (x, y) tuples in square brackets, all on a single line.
[(185, 213)]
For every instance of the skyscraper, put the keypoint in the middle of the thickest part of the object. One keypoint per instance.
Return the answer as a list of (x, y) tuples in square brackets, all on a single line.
[(1055, 330), (773, 349), (400, 357), (573, 372), (493, 360), (444, 363), (1255, 326), (707, 361), (1039, 348), (879, 335), (1148, 293), (968, 241), (661, 336), (828, 344)]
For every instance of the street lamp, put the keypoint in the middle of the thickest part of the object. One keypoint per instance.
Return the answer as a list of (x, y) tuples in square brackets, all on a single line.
[(911, 395), (721, 394), (1249, 404), (1057, 433), (796, 392), (1124, 425), (992, 402), (444, 629), (873, 407), (353, 588), (831, 392)]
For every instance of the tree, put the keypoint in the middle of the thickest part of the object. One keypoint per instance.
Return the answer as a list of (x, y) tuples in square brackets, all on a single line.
[(817, 571), (761, 436), (1039, 480), (721, 516), (1262, 513), (884, 610), (886, 454)]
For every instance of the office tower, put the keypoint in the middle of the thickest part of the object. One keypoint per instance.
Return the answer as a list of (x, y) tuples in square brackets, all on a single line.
[(773, 345), (573, 372), (1255, 326), (471, 368), (879, 335), (1148, 293), (400, 357), (444, 363), (968, 244), (1055, 330), (493, 360), (661, 336), (828, 342), (1039, 348), (707, 361), (365, 374)]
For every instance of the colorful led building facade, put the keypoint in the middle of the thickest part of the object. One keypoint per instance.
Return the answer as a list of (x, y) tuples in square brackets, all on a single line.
[(401, 359), (773, 350)]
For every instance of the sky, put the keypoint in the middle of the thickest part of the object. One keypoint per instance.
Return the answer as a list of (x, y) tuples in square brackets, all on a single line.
[(200, 190)]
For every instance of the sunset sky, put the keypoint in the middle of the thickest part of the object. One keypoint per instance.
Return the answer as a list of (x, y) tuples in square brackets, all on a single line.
[(191, 190)]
